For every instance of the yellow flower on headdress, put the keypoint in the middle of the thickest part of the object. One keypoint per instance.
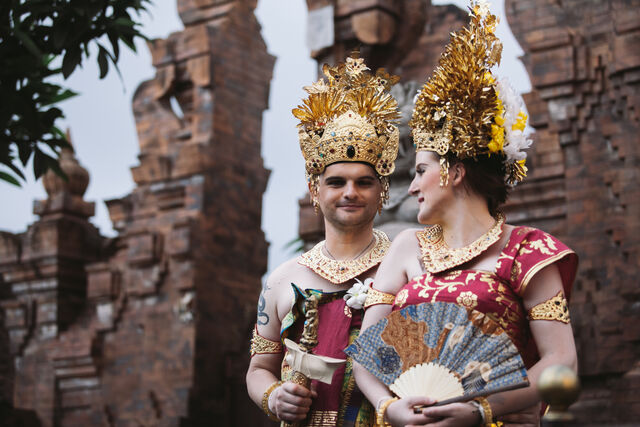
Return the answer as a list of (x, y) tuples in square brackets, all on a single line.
[(521, 122), (497, 139)]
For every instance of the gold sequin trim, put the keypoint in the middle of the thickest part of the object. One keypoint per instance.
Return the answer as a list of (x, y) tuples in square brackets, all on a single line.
[(555, 308), (262, 345), (339, 272), (375, 297), (437, 256)]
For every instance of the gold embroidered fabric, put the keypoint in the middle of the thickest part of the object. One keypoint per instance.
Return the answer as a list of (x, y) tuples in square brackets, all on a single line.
[(375, 297), (339, 272), (437, 256), (262, 345), (555, 308), (322, 419)]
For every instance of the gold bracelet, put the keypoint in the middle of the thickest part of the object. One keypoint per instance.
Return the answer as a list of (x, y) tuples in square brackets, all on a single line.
[(265, 400), (486, 411), (375, 297), (380, 422)]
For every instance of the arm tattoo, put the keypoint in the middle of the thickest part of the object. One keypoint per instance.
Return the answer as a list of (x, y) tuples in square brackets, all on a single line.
[(263, 318)]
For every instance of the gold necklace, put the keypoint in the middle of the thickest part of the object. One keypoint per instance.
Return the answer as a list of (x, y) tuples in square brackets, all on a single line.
[(373, 239), (341, 271), (437, 256)]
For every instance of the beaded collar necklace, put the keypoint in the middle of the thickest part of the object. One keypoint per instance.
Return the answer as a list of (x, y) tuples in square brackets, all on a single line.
[(437, 256), (340, 271)]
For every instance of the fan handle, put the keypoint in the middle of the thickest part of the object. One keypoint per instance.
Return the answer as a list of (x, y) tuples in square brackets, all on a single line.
[(467, 397)]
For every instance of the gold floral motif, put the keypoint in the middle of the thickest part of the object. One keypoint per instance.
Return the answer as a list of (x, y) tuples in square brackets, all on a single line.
[(375, 296), (401, 298), (436, 286), (555, 308), (516, 270), (437, 256), (262, 345), (467, 299), (338, 272)]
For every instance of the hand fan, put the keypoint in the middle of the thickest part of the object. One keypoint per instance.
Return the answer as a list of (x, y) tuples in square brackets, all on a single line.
[(440, 350)]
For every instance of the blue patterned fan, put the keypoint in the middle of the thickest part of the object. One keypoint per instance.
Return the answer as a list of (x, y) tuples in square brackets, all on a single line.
[(440, 350)]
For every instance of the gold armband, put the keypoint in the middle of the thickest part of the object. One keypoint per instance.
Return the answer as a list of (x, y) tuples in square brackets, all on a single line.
[(262, 345), (265, 400), (555, 308), (380, 422), (375, 297)]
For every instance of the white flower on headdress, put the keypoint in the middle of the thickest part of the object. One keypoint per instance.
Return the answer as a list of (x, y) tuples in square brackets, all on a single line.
[(515, 141), (357, 294)]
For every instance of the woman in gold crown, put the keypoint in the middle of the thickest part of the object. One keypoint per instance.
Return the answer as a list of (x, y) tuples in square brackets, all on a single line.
[(468, 133)]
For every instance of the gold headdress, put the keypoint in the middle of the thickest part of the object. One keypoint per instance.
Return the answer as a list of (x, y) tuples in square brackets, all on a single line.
[(463, 110), (350, 117)]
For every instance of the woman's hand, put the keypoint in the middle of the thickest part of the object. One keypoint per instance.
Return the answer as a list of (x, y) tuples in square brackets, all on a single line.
[(291, 402), (453, 415), (400, 413)]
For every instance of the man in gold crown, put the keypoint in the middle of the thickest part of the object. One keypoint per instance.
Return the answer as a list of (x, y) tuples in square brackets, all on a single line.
[(349, 142)]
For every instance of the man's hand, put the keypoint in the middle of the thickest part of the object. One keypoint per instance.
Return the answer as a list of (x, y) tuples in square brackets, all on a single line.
[(529, 417), (400, 413), (291, 402)]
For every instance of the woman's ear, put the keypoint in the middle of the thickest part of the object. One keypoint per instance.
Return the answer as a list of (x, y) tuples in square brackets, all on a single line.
[(458, 173)]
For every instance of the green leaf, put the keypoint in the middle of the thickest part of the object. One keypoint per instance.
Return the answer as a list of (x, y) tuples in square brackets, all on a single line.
[(114, 45), (39, 163), (72, 59), (62, 96), (103, 62), (28, 43), (57, 131), (24, 152), (9, 178), (124, 22)]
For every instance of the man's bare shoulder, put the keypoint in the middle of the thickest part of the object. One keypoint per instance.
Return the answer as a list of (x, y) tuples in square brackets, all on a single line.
[(406, 238), (285, 273)]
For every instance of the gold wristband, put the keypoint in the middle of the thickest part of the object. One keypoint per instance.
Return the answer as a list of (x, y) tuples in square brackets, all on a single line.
[(380, 422), (555, 308), (265, 400), (375, 297), (487, 413)]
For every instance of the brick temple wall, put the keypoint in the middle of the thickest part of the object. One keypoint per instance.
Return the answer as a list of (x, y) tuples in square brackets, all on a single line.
[(583, 58), (151, 327)]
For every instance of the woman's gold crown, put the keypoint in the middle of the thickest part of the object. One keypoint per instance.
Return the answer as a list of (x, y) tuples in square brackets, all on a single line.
[(463, 110)]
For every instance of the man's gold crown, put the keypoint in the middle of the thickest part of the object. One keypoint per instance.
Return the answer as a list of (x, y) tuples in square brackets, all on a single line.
[(349, 118)]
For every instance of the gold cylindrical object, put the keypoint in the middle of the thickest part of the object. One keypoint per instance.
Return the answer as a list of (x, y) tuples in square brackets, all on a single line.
[(559, 386)]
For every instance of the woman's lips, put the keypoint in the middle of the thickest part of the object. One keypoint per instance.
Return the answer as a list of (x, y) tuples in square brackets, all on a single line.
[(420, 199)]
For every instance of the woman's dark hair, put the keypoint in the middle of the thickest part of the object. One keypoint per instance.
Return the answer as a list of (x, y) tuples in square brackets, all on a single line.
[(485, 177)]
